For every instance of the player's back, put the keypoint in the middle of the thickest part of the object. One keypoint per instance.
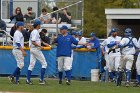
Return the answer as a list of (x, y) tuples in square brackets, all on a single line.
[(129, 45)]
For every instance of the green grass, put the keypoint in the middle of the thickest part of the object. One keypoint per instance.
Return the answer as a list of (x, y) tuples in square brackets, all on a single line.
[(75, 87)]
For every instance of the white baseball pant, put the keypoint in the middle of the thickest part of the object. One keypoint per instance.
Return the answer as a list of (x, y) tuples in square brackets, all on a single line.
[(19, 57), (106, 56), (114, 62), (64, 63), (36, 53), (127, 61)]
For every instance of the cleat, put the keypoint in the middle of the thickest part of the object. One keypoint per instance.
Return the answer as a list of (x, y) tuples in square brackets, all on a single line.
[(29, 82), (68, 82), (136, 84), (42, 82), (11, 79), (60, 81)]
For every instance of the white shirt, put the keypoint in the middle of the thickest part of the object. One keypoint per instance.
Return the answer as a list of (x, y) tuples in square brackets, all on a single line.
[(112, 39), (45, 17), (128, 50), (82, 40), (34, 37), (18, 38)]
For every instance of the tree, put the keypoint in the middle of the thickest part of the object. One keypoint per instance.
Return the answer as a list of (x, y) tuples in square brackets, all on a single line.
[(94, 14)]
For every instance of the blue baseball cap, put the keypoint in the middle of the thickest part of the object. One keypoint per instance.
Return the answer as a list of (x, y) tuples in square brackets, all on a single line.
[(37, 22), (74, 33), (64, 27), (20, 24), (80, 33), (113, 30), (92, 34)]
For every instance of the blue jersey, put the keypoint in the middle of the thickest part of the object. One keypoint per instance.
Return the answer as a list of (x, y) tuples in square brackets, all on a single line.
[(95, 43), (64, 45)]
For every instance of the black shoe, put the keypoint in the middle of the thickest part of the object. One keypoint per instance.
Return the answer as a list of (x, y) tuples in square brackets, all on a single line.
[(42, 82), (60, 81), (136, 84), (68, 82), (29, 82), (11, 79)]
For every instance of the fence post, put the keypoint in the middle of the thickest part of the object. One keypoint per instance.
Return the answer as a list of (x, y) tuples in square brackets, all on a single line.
[(11, 7)]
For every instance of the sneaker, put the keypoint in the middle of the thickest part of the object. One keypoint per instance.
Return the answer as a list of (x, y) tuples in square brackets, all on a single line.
[(127, 84), (42, 82), (11, 79), (29, 82), (60, 81), (68, 82)]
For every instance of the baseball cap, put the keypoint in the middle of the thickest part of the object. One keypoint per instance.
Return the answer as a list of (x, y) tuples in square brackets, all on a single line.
[(80, 33), (64, 27), (37, 22), (20, 24), (92, 34), (113, 30), (29, 8), (73, 33)]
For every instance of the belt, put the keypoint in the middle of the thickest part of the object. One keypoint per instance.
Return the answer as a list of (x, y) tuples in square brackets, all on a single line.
[(113, 51), (16, 48)]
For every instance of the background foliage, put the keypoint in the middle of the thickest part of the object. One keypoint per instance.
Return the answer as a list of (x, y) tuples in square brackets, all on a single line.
[(94, 14)]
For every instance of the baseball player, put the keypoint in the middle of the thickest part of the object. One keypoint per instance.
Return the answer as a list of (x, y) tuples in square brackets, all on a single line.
[(81, 39), (105, 54), (18, 52), (64, 47), (93, 42), (35, 53), (138, 65), (128, 44), (114, 53)]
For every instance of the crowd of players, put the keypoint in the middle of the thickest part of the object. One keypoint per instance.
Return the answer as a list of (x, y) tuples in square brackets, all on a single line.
[(118, 51), (119, 55), (64, 43)]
